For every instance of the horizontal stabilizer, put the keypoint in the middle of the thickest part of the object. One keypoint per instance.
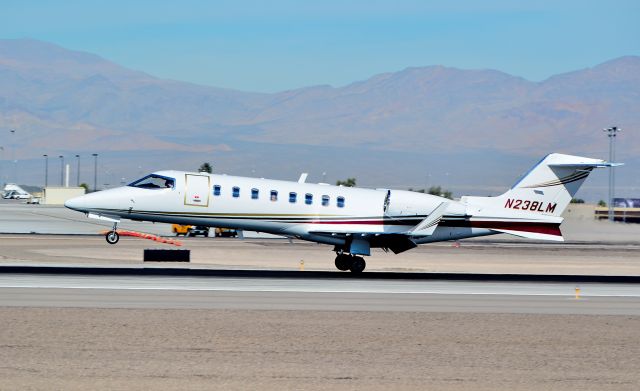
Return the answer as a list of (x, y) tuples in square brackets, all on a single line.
[(533, 235), (586, 165), (522, 224), (428, 226)]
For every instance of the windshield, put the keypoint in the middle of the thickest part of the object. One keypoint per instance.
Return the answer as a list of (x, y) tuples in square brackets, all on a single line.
[(154, 181)]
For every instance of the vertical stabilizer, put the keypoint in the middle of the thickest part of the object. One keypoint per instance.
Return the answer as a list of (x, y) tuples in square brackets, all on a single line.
[(533, 206), (546, 189)]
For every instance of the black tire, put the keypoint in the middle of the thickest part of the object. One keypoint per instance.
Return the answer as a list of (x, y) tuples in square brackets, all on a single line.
[(343, 262), (112, 237), (358, 265)]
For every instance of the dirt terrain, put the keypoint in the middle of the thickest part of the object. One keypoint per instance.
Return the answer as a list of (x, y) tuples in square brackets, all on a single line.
[(79, 349)]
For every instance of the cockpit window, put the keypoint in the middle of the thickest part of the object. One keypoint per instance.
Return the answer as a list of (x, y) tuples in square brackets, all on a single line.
[(154, 181)]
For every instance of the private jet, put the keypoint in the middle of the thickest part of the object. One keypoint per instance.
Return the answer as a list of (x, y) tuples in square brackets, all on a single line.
[(352, 220), (14, 192)]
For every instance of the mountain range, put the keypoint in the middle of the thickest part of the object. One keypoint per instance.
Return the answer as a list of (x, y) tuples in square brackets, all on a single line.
[(413, 127)]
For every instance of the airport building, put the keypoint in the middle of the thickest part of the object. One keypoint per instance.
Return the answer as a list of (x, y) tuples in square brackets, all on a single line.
[(58, 195)]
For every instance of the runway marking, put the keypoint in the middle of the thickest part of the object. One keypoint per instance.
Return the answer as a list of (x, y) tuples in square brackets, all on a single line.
[(568, 295), (320, 286)]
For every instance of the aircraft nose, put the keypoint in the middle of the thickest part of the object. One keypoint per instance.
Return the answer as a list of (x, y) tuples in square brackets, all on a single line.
[(76, 203)]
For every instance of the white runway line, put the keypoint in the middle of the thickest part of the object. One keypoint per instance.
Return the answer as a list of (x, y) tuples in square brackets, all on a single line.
[(319, 285)]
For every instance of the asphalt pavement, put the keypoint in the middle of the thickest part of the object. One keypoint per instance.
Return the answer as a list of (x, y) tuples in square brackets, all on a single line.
[(157, 292)]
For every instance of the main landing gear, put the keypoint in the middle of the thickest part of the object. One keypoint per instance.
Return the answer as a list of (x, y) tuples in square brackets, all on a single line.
[(112, 236), (350, 262)]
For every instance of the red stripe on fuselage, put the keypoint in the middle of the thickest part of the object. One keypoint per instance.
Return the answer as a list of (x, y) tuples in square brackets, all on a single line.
[(522, 226), (539, 228)]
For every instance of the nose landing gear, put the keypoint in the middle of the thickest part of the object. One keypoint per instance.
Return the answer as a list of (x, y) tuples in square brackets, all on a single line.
[(112, 236), (350, 262)]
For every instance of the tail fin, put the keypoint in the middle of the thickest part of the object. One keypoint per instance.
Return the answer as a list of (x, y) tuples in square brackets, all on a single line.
[(541, 195)]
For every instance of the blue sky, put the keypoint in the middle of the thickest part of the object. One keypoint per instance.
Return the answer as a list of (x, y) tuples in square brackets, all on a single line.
[(279, 45)]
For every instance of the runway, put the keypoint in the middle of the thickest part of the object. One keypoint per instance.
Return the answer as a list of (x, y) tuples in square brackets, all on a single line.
[(151, 327), (168, 292)]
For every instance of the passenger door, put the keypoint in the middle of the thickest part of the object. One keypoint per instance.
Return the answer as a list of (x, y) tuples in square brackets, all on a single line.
[(196, 191)]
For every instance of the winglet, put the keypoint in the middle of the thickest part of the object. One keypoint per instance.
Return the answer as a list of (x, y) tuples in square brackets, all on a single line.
[(428, 226)]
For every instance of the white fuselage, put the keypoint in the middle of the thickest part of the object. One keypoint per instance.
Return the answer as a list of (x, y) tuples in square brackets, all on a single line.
[(318, 212)]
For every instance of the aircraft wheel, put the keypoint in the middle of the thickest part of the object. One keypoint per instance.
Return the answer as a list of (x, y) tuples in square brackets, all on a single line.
[(112, 237), (358, 265), (343, 262)]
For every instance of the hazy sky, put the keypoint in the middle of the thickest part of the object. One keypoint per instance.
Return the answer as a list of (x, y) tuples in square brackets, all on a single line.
[(278, 45)]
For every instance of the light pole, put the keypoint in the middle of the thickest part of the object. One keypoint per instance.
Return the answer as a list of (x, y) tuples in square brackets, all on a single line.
[(95, 171), (78, 177), (61, 170), (46, 170), (1, 172), (611, 133), (13, 155)]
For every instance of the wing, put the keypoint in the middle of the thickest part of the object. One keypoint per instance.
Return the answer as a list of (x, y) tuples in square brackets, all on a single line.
[(397, 242)]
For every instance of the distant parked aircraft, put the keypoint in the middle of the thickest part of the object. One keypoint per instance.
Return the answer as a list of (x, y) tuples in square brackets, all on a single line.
[(353, 220), (13, 191)]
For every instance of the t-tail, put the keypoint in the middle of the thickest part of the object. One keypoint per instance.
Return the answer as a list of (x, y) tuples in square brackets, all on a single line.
[(533, 206)]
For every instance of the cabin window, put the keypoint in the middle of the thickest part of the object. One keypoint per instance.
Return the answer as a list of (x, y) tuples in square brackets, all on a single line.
[(308, 198), (292, 197), (217, 189), (274, 195), (340, 202), (235, 192), (325, 200), (254, 194), (154, 181)]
